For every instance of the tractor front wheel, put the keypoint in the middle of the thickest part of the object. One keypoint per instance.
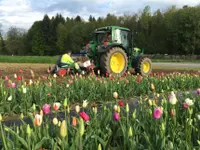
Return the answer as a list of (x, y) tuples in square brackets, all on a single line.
[(114, 62), (144, 66)]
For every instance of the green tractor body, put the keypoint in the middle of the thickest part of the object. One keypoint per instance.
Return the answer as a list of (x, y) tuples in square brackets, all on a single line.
[(112, 52)]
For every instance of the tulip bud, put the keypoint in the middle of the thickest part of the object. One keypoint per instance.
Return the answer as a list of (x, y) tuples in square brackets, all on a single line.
[(34, 107), (21, 115), (55, 121), (59, 123), (85, 103), (115, 107), (54, 75), (74, 122), (30, 81), (99, 147), (1, 117), (28, 130), (130, 132), (134, 114), (63, 129), (77, 108), (65, 102), (81, 127), (41, 112), (198, 117), (163, 126), (104, 107), (152, 87), (115, 95), (118, 109), (10, 98), (150, 102), (94, 110), (17, 130), (127, 107), (170, 145), (68, 109)]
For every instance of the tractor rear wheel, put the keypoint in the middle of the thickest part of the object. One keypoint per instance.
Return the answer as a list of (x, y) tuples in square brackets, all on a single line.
[(114, 62), (144, 66)]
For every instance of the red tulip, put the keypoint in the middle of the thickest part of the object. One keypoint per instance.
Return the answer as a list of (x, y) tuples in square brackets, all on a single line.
[(121, 103), (139, 79), (18, 77), (84, 116)]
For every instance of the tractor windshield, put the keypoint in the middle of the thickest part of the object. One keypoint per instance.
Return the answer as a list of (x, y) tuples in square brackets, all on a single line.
[(102, 36)]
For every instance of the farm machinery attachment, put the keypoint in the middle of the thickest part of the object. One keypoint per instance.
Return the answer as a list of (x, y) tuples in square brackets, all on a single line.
[(111, 51)]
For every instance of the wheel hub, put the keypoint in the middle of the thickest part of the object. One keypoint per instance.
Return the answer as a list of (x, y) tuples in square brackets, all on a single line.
[(117, 62), (146, 67)]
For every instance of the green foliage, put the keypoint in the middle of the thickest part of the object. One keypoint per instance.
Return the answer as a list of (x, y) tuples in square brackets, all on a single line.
[(175, 127), (174, 31), (93, 88), (38, 43)]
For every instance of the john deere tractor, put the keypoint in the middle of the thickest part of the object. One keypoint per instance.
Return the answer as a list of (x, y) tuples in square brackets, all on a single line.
[(112, 52)]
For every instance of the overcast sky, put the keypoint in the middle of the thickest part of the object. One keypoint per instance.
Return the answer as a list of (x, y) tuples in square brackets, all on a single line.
[(22, 13)]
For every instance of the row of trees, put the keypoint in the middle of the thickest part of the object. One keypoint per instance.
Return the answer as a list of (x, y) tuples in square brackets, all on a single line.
[(174, 31)]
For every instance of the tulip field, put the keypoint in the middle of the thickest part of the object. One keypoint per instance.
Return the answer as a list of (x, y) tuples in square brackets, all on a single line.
[(98, 112)]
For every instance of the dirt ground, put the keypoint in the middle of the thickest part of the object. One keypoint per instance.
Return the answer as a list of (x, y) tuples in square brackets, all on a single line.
[(9, 69)]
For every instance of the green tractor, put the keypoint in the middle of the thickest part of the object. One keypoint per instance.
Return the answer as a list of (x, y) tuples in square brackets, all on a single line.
[(112, 52)]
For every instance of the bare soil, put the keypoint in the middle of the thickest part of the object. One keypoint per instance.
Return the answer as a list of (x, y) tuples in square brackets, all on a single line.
[(9, 69)]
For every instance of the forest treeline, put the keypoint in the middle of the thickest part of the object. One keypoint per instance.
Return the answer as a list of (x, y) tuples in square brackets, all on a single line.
[(173, 31)]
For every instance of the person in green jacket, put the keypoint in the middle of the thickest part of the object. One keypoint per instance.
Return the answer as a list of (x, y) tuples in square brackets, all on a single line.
[(65, 61)]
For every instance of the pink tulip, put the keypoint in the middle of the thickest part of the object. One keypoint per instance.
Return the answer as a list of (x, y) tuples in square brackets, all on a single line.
[(84, 116), (198, 91), (46, 108), (157, 113), (6, 78), (8, 84), (116, 116), (13, 85)]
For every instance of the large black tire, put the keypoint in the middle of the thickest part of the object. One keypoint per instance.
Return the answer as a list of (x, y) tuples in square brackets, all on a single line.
[(140, 69), (106, 58)]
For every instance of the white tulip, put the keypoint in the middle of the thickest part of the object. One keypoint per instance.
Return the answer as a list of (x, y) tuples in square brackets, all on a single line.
[(85, 103), (77, 108), (189, 101), (172, 98), (10, 98), (24, 90)]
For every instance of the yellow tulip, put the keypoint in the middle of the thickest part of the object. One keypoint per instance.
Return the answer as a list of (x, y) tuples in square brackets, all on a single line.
[(63, 129)]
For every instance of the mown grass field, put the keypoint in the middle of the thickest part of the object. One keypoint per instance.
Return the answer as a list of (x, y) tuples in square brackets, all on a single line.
[(52, 59)]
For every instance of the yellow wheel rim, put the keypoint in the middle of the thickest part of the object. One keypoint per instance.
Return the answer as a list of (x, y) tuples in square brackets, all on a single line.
[(117, 62), (146, 67)]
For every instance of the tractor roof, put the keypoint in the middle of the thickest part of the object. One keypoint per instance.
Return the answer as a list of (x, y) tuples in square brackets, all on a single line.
[(111, 27)]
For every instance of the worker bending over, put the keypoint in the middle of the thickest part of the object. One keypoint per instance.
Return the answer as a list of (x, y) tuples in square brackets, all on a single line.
[(65, 61)]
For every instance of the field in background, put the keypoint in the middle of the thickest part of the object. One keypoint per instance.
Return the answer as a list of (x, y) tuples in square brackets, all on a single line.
[(53, 59)]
